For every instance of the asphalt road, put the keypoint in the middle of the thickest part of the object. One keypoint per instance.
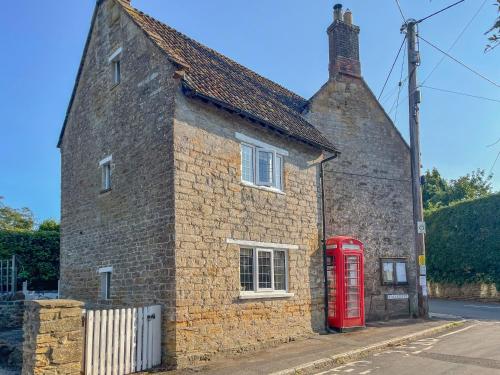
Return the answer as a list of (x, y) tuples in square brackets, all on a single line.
[(465, 309), (470, 350)]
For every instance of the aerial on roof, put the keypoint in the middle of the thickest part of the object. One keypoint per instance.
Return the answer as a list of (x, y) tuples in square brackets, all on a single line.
[(213, 76)]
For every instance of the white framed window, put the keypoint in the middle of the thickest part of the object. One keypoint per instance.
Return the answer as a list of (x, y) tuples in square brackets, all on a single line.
[(105, 166), (262, 164), (263, 270), (115, 61), (105, 282)]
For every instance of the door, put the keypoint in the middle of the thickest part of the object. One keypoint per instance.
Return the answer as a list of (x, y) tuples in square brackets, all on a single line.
[(353, 286)]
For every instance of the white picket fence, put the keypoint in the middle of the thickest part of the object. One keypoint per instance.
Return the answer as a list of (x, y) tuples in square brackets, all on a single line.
[(122, 341)]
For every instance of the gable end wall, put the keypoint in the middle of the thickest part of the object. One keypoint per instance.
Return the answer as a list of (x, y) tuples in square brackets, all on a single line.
[(368, 187), (130, 228)]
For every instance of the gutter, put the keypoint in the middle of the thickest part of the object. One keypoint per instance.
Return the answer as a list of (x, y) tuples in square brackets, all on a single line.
[(323, 235)]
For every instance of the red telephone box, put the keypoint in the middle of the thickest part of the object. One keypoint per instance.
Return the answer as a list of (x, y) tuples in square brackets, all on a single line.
[(344, 264)]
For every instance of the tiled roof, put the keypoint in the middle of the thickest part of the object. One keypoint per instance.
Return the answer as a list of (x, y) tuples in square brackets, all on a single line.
[(213, 76)]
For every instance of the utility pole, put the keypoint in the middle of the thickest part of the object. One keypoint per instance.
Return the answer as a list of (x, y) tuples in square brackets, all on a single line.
[(418, 215)]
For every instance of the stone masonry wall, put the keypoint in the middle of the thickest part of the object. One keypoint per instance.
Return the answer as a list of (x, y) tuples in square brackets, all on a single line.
[(478, 291), (131, 227), (53, 337), (212, 205), (368, 188)]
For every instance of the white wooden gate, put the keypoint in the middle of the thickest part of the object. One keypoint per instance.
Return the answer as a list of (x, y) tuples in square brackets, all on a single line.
[(122, 341)]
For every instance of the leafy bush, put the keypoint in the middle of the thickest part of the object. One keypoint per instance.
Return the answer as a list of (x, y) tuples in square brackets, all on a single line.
[(38, 255), (463, 242)]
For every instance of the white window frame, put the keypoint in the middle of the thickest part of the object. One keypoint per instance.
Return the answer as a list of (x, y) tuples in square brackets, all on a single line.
[(105, 290), (259, 292), (105, 166), (115, 61), (256, 270), (278, 155)]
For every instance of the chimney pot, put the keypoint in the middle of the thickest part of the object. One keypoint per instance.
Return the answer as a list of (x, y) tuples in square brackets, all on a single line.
[(348, 17), (337, 12)]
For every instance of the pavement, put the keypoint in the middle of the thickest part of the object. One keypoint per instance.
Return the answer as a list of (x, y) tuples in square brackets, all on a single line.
[(462, 338), (321, 351)]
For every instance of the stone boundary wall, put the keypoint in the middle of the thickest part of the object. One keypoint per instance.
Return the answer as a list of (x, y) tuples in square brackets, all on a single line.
[(11, 314), (478, 291), (53, 337)]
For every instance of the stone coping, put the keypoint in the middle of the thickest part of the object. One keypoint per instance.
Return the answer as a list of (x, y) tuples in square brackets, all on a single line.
[(48, 303)]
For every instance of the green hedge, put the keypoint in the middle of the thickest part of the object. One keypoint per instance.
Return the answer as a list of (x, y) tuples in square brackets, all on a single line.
[(463, 242), (38, 255)]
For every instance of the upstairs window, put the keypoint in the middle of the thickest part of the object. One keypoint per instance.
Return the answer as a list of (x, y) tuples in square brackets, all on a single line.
[(261, 164), (394, 271), (116, 72), (116, 66), (105, 166), (105, 282)]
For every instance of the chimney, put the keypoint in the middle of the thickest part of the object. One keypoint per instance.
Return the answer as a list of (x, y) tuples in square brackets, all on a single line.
[(344, 44)]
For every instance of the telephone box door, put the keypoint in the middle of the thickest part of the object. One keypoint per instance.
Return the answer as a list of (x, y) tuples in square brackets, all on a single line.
[(353, 289)]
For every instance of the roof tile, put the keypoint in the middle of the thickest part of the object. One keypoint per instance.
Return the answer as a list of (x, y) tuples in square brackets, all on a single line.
[(213, 76)]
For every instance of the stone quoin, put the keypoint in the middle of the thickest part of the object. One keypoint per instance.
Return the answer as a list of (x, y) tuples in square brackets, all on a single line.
[(192, 182)]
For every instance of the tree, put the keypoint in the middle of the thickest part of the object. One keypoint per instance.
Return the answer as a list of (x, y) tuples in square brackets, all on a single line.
[(49, 225), (15, 219), (471, 186), (438, 192), (434, 189), (494, 38)]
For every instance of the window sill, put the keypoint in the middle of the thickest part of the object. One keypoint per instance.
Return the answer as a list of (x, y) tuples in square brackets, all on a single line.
[(263, 295), (266, 188)]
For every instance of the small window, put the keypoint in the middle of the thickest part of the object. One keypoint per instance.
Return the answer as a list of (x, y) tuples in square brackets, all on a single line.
[(116, 66), (105, 287), (394, 272), (105, 165), (263, 270), (261, 166), (116, 72)]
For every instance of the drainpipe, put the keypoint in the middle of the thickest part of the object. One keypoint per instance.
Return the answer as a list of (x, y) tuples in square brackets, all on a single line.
[(323, 235)]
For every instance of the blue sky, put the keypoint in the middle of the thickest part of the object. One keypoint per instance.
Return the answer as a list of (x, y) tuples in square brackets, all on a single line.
[(284, 40)]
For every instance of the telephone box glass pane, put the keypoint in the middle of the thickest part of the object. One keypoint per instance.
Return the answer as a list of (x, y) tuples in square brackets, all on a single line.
[(352, 287), (264, 262), (279, 270), (331, 275)]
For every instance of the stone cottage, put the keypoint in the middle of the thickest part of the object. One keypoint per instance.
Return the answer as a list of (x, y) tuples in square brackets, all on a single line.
[(192, 182)]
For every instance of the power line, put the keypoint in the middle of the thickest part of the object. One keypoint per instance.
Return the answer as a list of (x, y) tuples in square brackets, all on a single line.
[(440, 11), (374, 177), (459, 62), (400, 84), (456, 41), (495, 162), (392, 67), (461, 93), (401, 11), (494, 143)]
